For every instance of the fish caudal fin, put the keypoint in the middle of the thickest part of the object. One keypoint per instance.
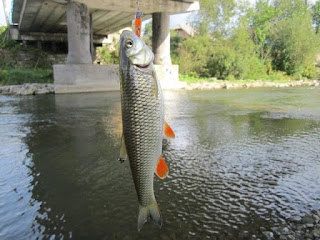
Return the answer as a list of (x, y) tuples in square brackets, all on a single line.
[(146, 212)]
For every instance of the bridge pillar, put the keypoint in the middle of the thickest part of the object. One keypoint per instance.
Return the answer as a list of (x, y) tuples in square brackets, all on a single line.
[(161, 38), (78, 21)]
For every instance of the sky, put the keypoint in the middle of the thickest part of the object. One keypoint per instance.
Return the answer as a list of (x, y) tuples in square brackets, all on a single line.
[(2, 16)]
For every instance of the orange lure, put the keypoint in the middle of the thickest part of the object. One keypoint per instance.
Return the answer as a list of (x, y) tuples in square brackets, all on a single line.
[(137, 23)]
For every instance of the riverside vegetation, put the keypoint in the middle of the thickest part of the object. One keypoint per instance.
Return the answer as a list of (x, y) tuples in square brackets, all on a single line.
[(273, 40), (39, 71)]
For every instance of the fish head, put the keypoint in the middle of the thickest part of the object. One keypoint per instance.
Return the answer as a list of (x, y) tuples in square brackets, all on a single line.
[(134, 51)]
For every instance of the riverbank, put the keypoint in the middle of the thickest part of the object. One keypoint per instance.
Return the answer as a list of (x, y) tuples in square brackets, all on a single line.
[(305, 227), (37, 88), (224, 84), (28, 89)]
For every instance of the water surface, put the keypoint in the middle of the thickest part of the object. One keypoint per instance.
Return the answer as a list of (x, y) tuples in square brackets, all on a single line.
[(241, 159)]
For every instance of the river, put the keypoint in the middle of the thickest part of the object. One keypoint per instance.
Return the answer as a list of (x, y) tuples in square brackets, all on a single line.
[(241, 159)]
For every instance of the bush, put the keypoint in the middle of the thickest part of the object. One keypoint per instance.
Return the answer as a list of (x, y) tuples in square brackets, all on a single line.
[(194, 54), (295, 46), (108, 54), (20, 76), (234, 57)]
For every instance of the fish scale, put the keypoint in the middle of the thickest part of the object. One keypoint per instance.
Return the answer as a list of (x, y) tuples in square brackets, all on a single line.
[(143, 126)]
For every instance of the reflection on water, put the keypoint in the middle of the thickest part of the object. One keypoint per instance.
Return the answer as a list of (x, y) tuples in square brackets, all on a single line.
[(241, 159)]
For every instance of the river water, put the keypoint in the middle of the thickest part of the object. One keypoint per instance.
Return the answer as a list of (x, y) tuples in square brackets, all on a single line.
[(241, 159)]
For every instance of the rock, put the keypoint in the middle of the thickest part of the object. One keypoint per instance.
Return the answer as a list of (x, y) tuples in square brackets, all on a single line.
[(42, 91), (276, 230), (316, 233), (4, 90), (290, 237), (309, 225), (308, 235), (268, 235), (316, 218), (296, 219), (307, 219), (14, 89), (285, 231), (28, 89), (300, 227), (262, 229)]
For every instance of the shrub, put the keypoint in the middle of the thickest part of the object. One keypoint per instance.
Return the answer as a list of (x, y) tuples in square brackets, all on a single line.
[(20, 76)]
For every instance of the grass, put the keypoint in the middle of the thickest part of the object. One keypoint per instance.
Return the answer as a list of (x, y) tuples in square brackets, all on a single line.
[(16, 76), (277, 77)]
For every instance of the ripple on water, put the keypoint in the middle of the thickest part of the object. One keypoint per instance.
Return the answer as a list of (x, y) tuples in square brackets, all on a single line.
[(238, 162)]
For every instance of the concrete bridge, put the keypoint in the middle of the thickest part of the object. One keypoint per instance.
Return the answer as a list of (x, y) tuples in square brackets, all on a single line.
[(85, 22)]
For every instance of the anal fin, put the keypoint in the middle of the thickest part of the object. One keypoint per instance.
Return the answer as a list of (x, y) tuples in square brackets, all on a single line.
[(162, 169)]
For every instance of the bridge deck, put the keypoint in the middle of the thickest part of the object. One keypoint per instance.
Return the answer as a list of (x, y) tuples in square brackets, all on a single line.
[(108, 16)]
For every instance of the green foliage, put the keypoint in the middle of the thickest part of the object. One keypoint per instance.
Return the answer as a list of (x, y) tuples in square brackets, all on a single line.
[(316, 15), (108, 54), (18, 76), (275, 39), (194, 54), (295, 44), (175, 44), (214, 16), (5, 41), (147, 33)]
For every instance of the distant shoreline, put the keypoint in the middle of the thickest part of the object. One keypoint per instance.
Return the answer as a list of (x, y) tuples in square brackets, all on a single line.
[(39, 89), (224, 84)]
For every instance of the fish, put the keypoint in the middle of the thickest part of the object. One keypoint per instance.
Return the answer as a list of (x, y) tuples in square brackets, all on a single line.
[(143, 123)]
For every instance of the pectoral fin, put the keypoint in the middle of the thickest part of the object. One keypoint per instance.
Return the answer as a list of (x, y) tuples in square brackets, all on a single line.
[(168, 131), (123, 150), (162, 169)]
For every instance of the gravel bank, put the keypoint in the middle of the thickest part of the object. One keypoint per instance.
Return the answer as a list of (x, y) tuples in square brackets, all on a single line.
[(37, 89), (255, 84), (28, 89), (305, 227)]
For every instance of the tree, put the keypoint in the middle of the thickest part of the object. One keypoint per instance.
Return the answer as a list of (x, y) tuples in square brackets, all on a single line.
[(214, 16), (147, 33), (316, 15)]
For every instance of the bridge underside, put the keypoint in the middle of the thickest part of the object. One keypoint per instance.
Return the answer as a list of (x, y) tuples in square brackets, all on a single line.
[(108, 16)]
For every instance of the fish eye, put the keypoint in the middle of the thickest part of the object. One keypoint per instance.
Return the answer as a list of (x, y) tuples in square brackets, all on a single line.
[(129, 43)]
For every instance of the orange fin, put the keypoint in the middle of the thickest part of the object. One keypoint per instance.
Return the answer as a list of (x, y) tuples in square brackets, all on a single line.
[(162, 169), (168, 131)]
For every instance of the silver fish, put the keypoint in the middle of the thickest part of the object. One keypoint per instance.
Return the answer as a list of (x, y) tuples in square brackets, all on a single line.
[(143, 122)]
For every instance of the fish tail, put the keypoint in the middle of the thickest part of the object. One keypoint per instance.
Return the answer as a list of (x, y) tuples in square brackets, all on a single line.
[(151, 211)]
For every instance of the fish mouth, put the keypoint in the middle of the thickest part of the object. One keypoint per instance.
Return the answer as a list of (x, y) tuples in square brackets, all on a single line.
[(142, 66)]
